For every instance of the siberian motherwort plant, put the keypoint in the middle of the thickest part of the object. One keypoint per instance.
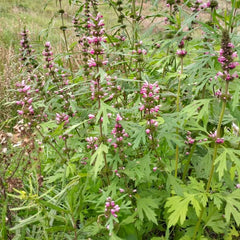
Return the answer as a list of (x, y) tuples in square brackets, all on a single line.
[(226, 59), (101, 134)]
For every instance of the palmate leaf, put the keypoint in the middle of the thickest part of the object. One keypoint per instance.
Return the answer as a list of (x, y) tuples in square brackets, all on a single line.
[(178, 208), (98, 159), (191, 110), (222, 164), (221, 161), (214, 219), (232, 232), (103, 111), (146, 206), (140, 137), (90, 229), (233, 206)]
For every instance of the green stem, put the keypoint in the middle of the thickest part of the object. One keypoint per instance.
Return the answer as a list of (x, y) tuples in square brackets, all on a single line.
[(100, 122), (65, 39), (4, 231), (198, 224), (218, 135), (188, 162), (203, 91), (177, 109), (59, 154), (134, 25)]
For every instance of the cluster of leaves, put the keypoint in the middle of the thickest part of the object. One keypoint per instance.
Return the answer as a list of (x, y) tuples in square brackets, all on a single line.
[(72, 152)]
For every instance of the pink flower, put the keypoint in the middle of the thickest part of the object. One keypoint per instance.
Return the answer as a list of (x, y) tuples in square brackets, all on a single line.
[(20, 112), (219, 140), (91, 116), (118, 118), (181, 52), (92, 63), (148, 131)]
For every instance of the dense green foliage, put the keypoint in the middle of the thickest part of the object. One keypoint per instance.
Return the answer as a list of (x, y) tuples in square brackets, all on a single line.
[(131, 131)]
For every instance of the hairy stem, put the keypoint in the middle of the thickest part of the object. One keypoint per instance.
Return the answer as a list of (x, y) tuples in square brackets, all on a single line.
[(188, 161), (177, 109), (213, 160), (65, 37), (59, 154), (100, 122)]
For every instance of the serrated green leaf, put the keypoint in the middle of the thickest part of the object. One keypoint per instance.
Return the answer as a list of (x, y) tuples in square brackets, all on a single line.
[(30, 220), (233, 206), (140, 137), (178, 208), (217, 201), (74, 127), (98, 159), (214, 219), (103, 111), (233, 232), (221, 161), (160, 120), (52, 206), (192, 109), (146, 206), (196, 206)]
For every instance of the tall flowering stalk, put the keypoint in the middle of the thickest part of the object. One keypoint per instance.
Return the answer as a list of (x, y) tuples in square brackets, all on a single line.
[(95, 40), (226, 58), (26, 52), (83, 33), (150, 108), (64, 28), (60, 81), (28, 88), (181, 52), (28, 93), (119, 135)]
